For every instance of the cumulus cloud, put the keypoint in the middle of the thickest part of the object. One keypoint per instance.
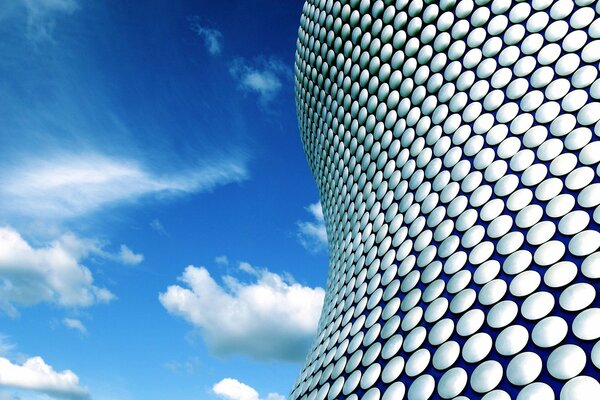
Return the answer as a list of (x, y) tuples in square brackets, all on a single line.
[(82, 247), (35, 375), (263, 77), (75, 324), (232, 389), (72, 185), (213, 38), (52, 273), (313, 234), (270, 318)]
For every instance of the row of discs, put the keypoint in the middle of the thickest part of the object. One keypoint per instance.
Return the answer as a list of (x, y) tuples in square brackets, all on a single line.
[(456, 148)]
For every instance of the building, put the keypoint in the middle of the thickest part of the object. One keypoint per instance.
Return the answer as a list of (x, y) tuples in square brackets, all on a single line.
[(455, 145)]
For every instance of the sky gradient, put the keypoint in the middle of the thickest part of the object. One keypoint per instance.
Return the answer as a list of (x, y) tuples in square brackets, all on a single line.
[(160, 233)]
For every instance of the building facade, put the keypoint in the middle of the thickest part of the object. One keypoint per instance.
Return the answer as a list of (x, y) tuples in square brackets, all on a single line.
[(455, 145)]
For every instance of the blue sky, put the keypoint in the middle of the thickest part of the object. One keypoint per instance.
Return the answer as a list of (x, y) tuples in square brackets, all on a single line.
[(159, 232)]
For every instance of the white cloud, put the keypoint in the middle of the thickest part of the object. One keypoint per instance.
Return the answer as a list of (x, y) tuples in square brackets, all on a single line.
[(51, 273), (263, 77), (232, 389), (264, 82), (82, 247), (76, 324), (69, 186), (248, 268), (313, 234), (127, 256), (317, 211), (34, 374), (213, 38), (271, 318)]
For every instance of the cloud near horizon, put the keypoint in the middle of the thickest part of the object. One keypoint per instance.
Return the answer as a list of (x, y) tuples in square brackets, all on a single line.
[(232, 389), (272, 318), (73, 185), (35, 375)]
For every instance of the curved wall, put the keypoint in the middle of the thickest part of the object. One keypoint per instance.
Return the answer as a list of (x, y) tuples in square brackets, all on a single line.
[(455, 145)]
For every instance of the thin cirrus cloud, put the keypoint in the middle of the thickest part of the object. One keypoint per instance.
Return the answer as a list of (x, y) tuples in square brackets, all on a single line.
[(38, 16), (262, 76), (6, 345), (52, 273), (212, 38), (313, 234), (158, 227), (41, 15), (70, 186), (232, 389), (272, 318), (35, 375), (188, 367), (222, 260)]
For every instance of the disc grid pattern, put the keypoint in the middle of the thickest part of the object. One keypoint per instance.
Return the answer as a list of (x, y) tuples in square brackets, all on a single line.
[(455, 145)]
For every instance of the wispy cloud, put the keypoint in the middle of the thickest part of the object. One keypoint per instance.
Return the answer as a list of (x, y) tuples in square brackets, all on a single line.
[(270, 318), (75, 324), (213, 38), (35, 375), (158, 227), (222, 260), (73, 185), (313, 234), (188, 367), (232, 389), (42, 14), (52, 273), (262, 76), (6, 346)]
